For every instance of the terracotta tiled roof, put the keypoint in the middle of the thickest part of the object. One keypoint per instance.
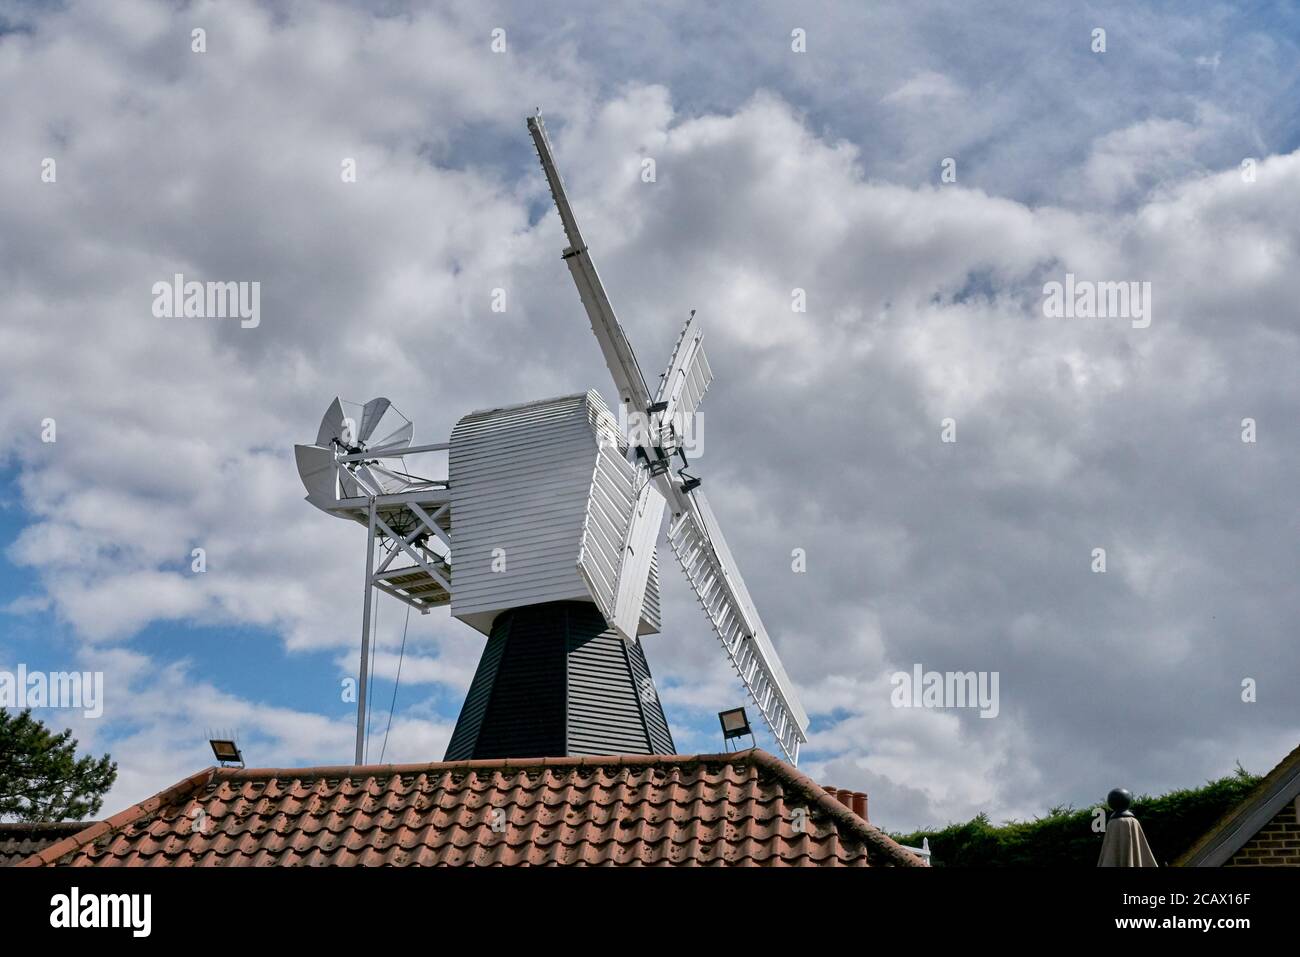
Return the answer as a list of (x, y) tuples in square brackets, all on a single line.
[(746, 808), (21, 840)]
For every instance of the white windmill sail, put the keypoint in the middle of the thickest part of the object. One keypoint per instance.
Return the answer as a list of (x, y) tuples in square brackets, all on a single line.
[(332, 424), (383, 429), (638, 557), (610, 506), (379, 480), (683, 385), (617, 578), (702, 552), (617, 350), (319, 473), (624, 515)]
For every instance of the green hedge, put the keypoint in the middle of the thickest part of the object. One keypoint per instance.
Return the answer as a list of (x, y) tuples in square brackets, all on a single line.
[(1064, 836)]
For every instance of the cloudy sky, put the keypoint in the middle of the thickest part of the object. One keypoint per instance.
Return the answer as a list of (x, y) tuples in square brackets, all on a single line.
[(775, 170)]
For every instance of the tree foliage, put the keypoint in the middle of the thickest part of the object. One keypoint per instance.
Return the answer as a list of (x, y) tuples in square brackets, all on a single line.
[(41, 777), (1064, 836)]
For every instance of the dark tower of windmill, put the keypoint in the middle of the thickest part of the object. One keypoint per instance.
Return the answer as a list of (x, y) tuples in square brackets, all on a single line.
[(554, 680)]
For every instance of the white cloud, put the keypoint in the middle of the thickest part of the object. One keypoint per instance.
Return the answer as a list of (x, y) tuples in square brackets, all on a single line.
[(926, 85)]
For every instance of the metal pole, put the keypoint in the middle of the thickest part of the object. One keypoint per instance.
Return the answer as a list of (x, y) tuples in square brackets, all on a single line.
[(409, 450), (365, 639)]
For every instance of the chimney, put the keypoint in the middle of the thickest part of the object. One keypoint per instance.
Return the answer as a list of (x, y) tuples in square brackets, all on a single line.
[(860, 804), (855, 801)]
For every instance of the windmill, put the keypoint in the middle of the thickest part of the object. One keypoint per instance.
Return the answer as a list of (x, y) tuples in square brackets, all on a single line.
[(544, 538)]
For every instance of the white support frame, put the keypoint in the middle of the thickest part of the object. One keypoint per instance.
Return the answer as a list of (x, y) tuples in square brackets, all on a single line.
[(365, 640), (401, 543), (404, 541), (377, 577)]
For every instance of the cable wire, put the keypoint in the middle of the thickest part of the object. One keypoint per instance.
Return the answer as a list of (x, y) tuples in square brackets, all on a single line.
[(396, 683)]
